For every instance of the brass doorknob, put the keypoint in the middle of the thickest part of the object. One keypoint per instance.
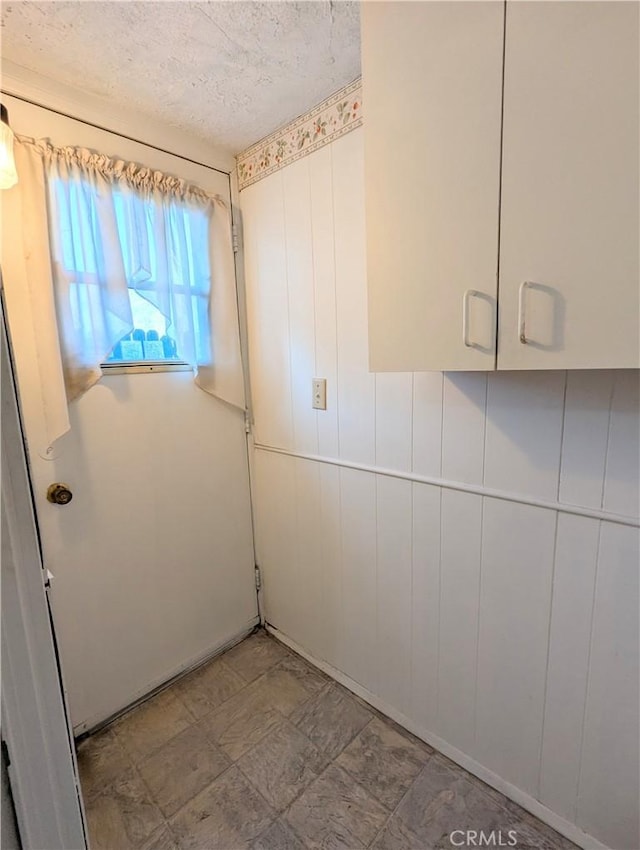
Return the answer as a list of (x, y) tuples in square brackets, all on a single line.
[(59, 494)]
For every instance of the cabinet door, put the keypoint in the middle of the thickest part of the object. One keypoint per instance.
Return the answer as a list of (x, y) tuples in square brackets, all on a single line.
[(432, 75), (569, 211)]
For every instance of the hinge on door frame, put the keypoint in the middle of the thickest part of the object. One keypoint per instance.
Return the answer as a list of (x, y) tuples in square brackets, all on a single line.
[(258, 577), (247, 422), (235, 241)]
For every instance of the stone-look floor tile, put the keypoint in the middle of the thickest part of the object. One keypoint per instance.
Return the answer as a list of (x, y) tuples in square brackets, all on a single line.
[(231, 813), (282, 765), (208, 687), (331, 720), (498, 798), (442, 799), (227, 815), (240, 722), (292, 683), (182, 768), (313, 679), (162, 840), (255, 655), (152, 724), (395, 835), (123, 816), (100, 760), (384, 761), (335, 812), (279, 836)]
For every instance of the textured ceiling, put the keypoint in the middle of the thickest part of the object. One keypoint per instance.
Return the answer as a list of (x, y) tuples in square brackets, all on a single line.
[(228, 72)]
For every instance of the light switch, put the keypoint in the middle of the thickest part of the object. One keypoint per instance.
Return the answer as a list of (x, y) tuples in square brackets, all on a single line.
[(319, 391)]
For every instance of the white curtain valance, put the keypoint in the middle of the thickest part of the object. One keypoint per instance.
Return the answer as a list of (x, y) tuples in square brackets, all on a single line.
[(120, 171), (90, 187)]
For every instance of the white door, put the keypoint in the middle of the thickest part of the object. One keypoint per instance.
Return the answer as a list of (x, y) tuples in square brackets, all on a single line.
[(569, 212), (153, 557), (432, 77), (39, 756)]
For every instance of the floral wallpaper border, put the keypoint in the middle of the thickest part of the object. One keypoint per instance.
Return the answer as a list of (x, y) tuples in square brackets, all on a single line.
[(334, 117)]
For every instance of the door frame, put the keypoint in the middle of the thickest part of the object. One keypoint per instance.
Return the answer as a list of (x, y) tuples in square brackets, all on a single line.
[(42, 767)]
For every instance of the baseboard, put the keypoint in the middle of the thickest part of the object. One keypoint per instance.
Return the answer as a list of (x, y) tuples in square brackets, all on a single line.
[(94, 724), (560, 824)]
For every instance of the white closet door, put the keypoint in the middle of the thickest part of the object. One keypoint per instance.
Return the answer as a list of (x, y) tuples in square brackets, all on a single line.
[(432, 90), (569, 212)]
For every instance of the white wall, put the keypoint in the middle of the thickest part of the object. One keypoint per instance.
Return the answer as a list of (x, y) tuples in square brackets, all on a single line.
[(502, 628)]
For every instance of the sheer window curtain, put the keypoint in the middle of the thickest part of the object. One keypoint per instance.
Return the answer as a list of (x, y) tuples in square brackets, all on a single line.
[(115, 225)]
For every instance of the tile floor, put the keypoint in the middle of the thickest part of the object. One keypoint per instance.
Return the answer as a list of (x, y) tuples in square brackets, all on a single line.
[(257, 750)]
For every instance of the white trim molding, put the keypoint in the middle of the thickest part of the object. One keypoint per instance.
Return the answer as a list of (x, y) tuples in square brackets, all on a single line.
[(503, 495), (334, 117)]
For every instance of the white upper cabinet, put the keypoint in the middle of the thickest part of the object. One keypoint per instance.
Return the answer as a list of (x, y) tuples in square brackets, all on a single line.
[(432, 75), (546, 181), (569, 278)]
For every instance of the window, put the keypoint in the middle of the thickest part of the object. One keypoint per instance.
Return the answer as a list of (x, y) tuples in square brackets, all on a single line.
[(163, 243)]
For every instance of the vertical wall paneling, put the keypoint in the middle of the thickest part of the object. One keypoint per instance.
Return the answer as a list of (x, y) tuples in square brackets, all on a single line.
[(393, 593), (461, 534), (448, 606), (585, 435), (515, 601), (394, 399), (524, 432), (330, 600), (608, 793), (427, 423), (463, 426), (356, 387), (268, 311), (324, 279), (359, 605), (275, 485), (623, 461), (425, 602), (569, 638), (300, 289), (309, 563)]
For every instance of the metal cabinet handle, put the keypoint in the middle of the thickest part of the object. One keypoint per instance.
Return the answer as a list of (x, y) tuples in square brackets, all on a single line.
[(465, 316), (522, 308)]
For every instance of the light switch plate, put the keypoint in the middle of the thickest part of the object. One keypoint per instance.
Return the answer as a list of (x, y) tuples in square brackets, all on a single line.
[(319, 394)]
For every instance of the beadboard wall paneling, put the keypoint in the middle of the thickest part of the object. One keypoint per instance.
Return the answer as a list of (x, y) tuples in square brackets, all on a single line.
[(460, 558), (269, 345), (507, 630), (610, 738), (621, 480), (394, 530), (573, 593), (324, 331), (585, 436), (514, 612), (425, 603)]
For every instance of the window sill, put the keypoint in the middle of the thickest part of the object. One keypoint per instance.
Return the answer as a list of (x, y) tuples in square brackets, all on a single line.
[(140, 367)]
